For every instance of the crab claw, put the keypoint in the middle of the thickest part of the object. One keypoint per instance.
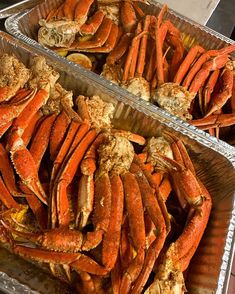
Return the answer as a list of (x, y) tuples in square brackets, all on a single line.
[(25, 166), (169, 277), (11, 110), (184, 180)]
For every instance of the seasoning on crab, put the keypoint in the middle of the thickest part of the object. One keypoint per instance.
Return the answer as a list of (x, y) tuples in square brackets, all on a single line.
[(157, 145), (13, 76), (42, 74), (139, 87), (110, 10), (112, 72), (175, 99), (59, 33), (59, 99), (98, 112), (116, 155), (121, 211)]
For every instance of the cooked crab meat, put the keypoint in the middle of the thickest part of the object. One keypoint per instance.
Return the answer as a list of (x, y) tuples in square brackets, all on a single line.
[(175, 99), (171, 281), (100, 112), (13, 75), (58, 33), (110, 10), (59, 99), (139, 87), (157, 145), (42, 74), (112, 72), (115, 155)]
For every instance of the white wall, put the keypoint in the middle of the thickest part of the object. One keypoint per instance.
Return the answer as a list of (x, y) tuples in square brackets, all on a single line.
[(197, 10)]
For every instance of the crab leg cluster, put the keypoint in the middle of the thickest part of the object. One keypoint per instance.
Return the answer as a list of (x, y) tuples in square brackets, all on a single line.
[(208, 74), (99, 204), (146, 54), (98, 30)]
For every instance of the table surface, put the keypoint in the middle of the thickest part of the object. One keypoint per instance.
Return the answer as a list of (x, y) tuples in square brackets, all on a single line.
[(219, 18), (197, 10)]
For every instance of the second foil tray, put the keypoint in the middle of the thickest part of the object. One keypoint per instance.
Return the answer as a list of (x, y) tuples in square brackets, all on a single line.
[(24, 26)]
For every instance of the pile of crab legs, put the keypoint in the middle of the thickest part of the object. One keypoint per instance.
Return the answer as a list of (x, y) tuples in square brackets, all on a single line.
[(193, 84), (85, 198)]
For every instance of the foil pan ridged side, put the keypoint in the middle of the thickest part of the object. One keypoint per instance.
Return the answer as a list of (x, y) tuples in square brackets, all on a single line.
[(210, 268), (14, 7), (24, 26)]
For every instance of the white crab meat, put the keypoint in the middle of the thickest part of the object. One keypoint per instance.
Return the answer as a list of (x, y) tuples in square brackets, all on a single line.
[(42, 75), (13, 74), (173, 284), (139, 87), (115, 155), (59, 99), (110, 10), (175, 99), (58, 33), (112, 72), (100, 112), (169, 278), (157, 145)]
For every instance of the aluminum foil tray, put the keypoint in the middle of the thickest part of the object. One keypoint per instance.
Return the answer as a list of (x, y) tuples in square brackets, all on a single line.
[(25, 27), (210, 269), (9, 7)]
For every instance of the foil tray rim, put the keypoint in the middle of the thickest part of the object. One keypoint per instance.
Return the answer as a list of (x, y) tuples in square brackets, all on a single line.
[(10, 285), (16, 7)]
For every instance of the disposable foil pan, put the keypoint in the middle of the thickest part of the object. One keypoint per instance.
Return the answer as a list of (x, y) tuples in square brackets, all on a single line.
[(10, 7), (209, 270), (25, 27)]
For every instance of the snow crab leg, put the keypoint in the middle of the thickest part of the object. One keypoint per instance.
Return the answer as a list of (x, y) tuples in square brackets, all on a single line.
[(151, 204), (169, 276)]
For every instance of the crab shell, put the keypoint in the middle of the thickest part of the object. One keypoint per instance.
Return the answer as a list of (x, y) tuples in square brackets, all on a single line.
[(172, 284), (13, 75), (100, 112), (112, 72), (116, 155), (59, 33), (139, 86), (42, 74), (175, 99), (156, 145)]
